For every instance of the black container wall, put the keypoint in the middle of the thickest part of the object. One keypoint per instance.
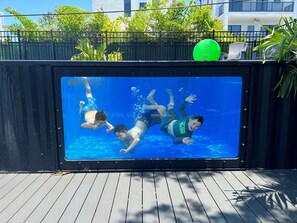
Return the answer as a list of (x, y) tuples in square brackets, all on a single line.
[(27, 132), (272, 130)]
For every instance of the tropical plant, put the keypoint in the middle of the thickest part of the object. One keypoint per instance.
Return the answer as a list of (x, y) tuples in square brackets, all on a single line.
[(283, 38), (89, 52), (26, 24)]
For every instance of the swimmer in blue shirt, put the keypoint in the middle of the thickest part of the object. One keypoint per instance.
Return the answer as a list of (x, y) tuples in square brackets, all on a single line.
[(181, 130), (90, 116)]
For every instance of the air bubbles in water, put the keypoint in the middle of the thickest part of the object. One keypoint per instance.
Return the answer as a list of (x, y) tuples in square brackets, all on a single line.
[(138, 106)]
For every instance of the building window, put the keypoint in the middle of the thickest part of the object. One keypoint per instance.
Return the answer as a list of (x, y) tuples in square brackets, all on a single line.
[(250, 28), (268, 26), (235, 6), (127, 7), (142, 5), (221, 10), (262, 5), (234, 28)]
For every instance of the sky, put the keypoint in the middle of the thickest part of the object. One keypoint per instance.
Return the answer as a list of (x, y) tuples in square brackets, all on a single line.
[(39, 6)]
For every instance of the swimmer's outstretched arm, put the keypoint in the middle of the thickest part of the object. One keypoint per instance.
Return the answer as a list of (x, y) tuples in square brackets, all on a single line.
[(109, 127), (89, 126), (190, 99), (132, 146)]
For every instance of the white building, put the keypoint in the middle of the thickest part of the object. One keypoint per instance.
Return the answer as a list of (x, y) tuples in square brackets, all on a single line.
[(119, 5), (249, 15), (1, 22)]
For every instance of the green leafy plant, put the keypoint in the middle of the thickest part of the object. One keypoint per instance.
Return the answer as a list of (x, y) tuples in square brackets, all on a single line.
[(89, 52), (283, 38)]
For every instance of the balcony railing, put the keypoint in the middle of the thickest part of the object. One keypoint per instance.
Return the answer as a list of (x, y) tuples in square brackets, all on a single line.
[(261, 6)]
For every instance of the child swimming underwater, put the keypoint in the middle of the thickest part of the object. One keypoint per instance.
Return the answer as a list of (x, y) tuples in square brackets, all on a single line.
[(91, 117), (155, 114), (181, 130)]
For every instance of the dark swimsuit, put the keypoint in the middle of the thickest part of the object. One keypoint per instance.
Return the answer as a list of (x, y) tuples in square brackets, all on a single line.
[(150, 118)]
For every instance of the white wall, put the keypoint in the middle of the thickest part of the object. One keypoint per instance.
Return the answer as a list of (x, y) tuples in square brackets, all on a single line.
[(1, 22), (116, 5), (252, 18)]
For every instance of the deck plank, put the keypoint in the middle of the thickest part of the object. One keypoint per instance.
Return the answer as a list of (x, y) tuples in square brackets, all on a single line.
[(286, 175), (119, 208), (49, 200), (266, 201), (213, 212), (2, 175), (24, 212), (10, 183), (134, 209), (150, 208), (192, 199), (104, 207), (204, 196), (181, 210), (166, 213), (279, 206), (9, 197), (258, 195), (286, 179), (244, 194), (22, 198), (227, 209), (6, 179), (242, 209), (64, 199), (76, 203), (89, 207)]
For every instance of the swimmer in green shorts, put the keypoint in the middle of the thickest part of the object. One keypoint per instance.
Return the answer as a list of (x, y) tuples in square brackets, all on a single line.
[(181, 130)]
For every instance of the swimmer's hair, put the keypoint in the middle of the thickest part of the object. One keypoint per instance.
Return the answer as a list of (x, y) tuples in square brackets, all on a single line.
[(198, 117), (100, 116), (120, 128)]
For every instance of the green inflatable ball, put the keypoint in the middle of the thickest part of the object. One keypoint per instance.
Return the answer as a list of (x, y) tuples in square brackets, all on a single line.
[(207, 50)]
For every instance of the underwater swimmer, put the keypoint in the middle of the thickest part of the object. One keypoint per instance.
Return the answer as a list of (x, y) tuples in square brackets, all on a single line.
[(154, 115), (181, 130), (91, 117)]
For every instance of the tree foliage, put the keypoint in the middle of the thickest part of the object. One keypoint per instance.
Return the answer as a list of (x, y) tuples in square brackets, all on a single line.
[(62, 19), (179, 17), (71, 22), (283, 38), (26, 24)]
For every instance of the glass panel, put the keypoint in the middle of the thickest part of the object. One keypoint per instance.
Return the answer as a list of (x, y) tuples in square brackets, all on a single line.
[(234, 28), (148, 108), (142, 5), (250, 28), (127, 7)]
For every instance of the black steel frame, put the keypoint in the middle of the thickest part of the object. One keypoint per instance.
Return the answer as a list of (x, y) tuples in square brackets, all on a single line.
[(152, 69)]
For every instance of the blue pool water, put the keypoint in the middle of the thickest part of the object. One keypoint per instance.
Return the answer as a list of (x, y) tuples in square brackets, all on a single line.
[(218, 101)]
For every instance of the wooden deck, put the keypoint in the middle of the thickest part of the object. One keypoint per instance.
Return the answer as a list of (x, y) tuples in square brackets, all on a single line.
[(203, 196)]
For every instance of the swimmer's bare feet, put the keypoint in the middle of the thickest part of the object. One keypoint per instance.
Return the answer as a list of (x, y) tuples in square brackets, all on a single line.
[(150, 97), (171, 98), (81, 103), (169, 92)]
